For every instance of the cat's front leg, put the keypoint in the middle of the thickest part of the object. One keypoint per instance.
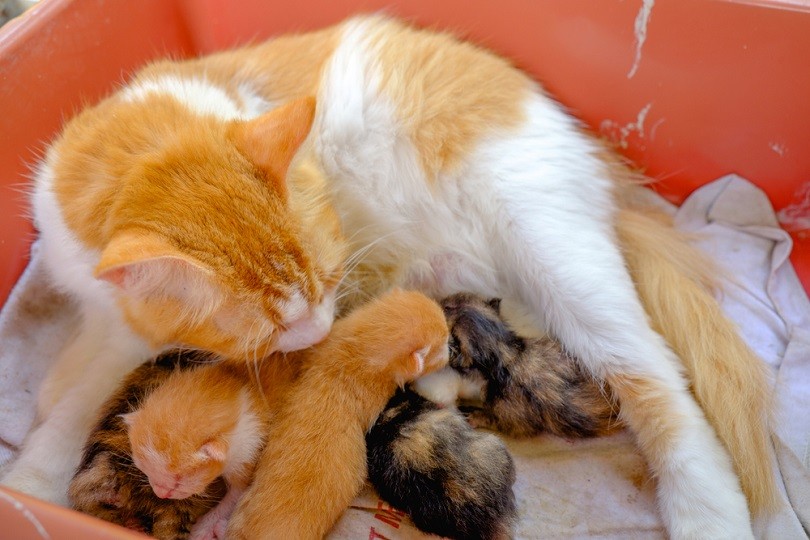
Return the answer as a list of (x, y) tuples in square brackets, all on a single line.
[(52, 451), (71, 364)]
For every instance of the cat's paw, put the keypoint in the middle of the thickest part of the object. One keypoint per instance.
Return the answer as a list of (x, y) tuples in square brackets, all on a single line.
[(36, 483)]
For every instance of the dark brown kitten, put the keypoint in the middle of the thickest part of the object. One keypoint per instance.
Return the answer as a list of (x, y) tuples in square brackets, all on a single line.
[(527, 385), (107, 484), (451, 480)]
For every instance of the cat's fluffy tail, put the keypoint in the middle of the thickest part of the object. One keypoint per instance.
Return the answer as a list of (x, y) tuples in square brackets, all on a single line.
[(675, 282)]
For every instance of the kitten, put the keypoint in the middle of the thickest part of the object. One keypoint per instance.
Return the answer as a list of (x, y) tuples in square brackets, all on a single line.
[(448, 170), (314, 462), (206, 423), (451, 480), (179, 434), (527, 386), (109, 486)]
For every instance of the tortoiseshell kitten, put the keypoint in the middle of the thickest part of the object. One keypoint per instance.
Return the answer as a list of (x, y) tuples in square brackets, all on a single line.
[(451, 480), (527, 385), (107, 483)]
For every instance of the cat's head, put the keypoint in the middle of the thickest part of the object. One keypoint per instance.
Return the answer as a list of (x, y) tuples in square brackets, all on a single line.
[(181, 439), (208, 250), (478, 335), (402, 333)]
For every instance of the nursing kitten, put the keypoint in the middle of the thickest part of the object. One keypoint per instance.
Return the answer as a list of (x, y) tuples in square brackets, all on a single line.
[(451, 480), (527, 385), (170, 437), (449, 170), (109, 486), (314, 462), (205, 423)]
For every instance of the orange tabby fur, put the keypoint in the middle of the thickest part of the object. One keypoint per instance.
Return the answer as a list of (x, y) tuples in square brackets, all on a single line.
[(158, 232), (314, 462)]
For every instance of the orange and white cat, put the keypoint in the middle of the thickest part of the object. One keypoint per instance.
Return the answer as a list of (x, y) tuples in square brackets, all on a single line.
[(164, 209), (314, 462), (203, 423)]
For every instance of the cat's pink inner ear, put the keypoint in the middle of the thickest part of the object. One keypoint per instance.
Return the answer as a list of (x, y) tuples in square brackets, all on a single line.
[(214, 450), (271, 140), (143, 263)]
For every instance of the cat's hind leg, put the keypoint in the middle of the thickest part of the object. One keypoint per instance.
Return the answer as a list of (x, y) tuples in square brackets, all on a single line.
[(553, 213)]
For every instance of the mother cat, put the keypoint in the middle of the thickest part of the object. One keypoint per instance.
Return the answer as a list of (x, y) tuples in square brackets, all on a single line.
[(447, 170)]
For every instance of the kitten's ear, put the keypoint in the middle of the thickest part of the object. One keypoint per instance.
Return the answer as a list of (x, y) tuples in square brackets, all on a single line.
[(412, 366), (128, 418), (418, 359), (142, 263), (214, 450), (495, 303), (271, 140)]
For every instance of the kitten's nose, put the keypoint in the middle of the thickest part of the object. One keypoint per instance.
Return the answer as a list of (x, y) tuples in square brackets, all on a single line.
[(161, 492)]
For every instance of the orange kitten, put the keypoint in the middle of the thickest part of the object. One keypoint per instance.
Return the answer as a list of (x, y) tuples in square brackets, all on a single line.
[(203, 423), (314, 462)]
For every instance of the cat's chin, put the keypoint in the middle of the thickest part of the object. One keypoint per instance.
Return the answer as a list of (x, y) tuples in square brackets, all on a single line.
[(308, 330)]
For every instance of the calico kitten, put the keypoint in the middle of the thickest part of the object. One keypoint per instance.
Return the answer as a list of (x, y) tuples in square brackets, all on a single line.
[(314, 462), (169, 211), (451, 480), (109, 486), (527, 385)]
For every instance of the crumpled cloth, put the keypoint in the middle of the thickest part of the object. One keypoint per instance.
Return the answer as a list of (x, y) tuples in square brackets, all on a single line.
[(564, 489)]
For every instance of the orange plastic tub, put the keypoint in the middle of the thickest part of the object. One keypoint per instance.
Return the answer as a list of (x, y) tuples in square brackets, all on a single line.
[(689, 90)]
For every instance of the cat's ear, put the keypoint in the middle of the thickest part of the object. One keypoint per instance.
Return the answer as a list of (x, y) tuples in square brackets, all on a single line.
[(271, 140), (144, 264), (214, 450)]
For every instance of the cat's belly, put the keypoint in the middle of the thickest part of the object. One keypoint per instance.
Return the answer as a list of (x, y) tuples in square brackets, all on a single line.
[(436, 274), (443, 273)]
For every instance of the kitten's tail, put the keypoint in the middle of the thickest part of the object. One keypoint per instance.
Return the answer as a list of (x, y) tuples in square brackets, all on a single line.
[(675, 282)]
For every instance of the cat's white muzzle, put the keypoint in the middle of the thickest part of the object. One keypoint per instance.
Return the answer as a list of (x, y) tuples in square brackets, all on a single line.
[(309, 329)]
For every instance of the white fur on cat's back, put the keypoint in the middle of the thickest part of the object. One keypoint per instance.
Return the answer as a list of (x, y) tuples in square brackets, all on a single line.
[(528, 215)]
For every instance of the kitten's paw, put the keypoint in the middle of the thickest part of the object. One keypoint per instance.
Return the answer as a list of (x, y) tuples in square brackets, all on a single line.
[(440, 387), (211, 526), (478, 419)]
